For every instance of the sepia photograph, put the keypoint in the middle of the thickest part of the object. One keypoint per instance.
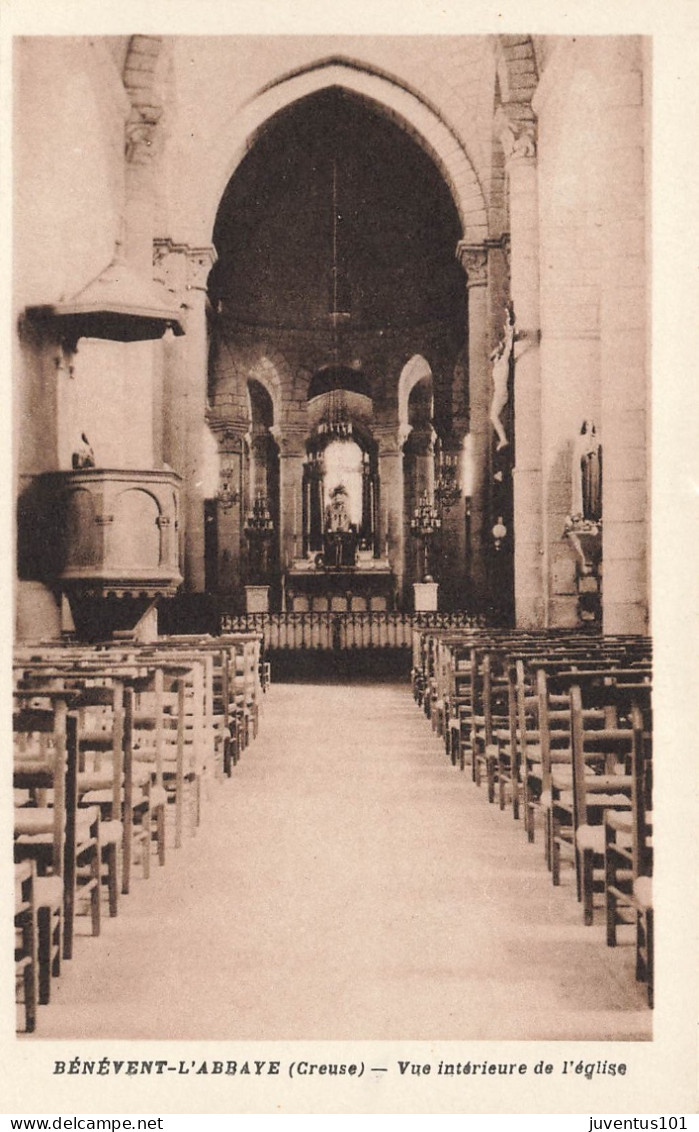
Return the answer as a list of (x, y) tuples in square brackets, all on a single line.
[(333, 696)]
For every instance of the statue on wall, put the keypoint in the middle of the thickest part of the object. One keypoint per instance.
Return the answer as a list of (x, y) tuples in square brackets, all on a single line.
[(500, 358), (340, 540), (586, 475), (83, 457), (336, 513)]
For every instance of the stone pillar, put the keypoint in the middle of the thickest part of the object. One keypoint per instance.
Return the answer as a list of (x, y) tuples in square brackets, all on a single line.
[(292, 456), (624, 347), (418, 480), (143, 146), (474, 260), (516, 127), (185, 271), (391, 527), (231, 504)]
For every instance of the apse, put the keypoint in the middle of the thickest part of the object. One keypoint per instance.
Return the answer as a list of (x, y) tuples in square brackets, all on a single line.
[(334, 203), (336, 241)]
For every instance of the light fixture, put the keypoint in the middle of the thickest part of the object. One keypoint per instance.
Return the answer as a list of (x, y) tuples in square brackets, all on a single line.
[(225, 495), (447, 489), (258, 521), (340, 306), (499, 533), (425, 523)]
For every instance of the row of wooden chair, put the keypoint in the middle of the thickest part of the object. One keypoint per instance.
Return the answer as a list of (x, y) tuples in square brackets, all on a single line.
[(113, 747), (559, 728)]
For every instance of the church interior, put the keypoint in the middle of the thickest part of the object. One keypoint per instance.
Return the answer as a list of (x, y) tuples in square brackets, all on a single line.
[(332, 406)]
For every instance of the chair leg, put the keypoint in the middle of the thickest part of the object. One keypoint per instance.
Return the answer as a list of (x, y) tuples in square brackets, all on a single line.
[(529, 820), (30, 995), (490, 777), (610, 902), (587, 885), (160, 832), (96, 894), (44, 917), (227, 756), (112, 859), (555, 862), (650, 963)]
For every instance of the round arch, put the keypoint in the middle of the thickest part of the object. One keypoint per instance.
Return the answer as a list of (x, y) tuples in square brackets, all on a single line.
[(416, 369), (402, 106)]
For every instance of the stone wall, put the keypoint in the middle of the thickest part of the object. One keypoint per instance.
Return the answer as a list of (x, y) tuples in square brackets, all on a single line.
[(137, 138)]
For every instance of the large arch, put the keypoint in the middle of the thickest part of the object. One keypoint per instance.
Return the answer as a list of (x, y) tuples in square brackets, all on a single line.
[(414, 371), (404, 107)]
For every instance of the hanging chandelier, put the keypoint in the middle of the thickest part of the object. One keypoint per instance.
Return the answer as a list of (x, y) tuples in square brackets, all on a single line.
[(340, 312), (336, 423)]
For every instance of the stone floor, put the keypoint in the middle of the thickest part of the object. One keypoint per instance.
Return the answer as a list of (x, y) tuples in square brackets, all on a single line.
[(348, 883)]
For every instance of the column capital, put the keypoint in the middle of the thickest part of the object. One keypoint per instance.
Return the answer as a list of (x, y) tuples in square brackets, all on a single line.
[(515, 127), (259, 441), (474, 260), (291, 442), (142, 133), (181, 267), (230, 432), (390, 439)]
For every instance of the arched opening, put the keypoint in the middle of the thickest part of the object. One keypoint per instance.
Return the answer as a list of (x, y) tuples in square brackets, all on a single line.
[(261, 516), (418, 467), (336, 240)]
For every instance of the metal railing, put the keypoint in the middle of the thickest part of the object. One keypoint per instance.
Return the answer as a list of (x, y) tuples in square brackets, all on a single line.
[(339, 631)]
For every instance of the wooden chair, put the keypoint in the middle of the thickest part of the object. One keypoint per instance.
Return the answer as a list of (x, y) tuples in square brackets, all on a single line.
[(600, 782), (162, 737), (62, 840), (26, 957), (107, 779), (629, 851)]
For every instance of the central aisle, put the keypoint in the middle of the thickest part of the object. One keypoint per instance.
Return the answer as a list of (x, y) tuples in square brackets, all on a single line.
[(348, 883)]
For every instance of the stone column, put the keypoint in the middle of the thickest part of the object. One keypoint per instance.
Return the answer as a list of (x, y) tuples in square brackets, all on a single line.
[(624, 347), (474, 260), (516, 128), (420, 460), (292, 456), (231, 503), (185, 270), (391, 526), (453, 565)]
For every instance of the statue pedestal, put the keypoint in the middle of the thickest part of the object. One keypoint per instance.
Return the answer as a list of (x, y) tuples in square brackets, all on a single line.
[(585, 537), (257, 599), (426, 596)]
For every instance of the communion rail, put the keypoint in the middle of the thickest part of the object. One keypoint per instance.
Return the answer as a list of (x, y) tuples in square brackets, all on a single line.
[(340, 631)]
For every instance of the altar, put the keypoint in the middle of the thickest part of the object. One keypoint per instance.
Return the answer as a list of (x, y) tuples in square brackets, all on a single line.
[(314, 585)]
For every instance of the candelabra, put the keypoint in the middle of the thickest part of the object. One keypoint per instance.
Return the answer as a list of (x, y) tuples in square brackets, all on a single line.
[(425, 522), (258, 521), (259, 530), (447, 490), (226, 496)]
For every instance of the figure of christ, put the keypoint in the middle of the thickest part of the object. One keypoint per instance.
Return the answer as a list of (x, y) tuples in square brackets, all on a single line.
[(500, 358)]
